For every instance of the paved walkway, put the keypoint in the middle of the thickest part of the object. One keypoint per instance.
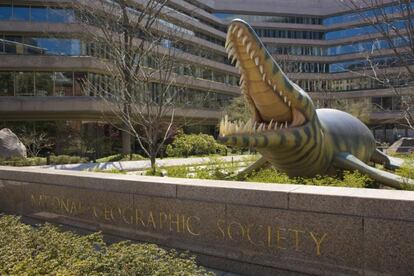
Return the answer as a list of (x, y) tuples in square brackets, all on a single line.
[(143, 164)]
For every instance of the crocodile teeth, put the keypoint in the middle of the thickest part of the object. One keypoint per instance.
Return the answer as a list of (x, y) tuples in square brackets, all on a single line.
[(269, 127), (234, 29), (269, 82), (257, 61), (285, 99), (244, 40), (261, 69), (281, 93), (289, 104), (264, 77), (248, 47), (252, 54), (274, 88), (229, 45), (239, 33), (232, 52), (238, 64), (234, 59), (286, 124), (275, 128)]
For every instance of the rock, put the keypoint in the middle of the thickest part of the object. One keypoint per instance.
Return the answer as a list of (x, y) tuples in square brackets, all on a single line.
[(404, 145), (10, 145)]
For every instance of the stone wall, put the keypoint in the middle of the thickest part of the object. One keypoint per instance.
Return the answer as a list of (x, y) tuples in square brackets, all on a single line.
[(256, 229)]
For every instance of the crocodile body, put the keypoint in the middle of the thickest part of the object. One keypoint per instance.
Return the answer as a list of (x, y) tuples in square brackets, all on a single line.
[(286, 128)]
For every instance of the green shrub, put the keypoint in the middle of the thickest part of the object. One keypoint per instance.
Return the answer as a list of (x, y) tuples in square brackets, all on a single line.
[(66, 159), (345, 179), (115, 171), (179, 171), (185, 145), (120, 157), (25, 250), (38, 161), (21, 162), (407, 170)]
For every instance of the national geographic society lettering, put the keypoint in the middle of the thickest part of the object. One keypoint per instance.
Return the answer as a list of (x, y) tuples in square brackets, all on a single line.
[(271, 236)]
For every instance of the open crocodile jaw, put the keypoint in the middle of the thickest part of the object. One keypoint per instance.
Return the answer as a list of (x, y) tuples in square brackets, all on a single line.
[(272, 108)]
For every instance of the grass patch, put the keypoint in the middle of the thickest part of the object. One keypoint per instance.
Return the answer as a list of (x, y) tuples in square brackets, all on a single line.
[(345, 179), (115, 171), (120, 157), (26, 250), (39, 161)]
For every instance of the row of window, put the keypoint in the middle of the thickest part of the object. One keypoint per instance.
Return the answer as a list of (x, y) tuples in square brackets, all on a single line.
[(401, 8), (265, 32), (36, 14), (370, 29), (270, 18), (357, 47), (296, 50), (304, 67), (368, 46), (76, 47), (350, 84), (60, 15), (88, 84), (42, 83), (376, 63), (374, 104)]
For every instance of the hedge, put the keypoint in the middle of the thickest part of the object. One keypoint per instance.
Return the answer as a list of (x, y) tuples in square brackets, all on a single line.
[(45, 249)]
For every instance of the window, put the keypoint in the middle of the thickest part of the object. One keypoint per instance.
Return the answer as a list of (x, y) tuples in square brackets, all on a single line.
[(6, 84), (21, 13), (12, 45), (39, 14), (79, 83), (44, 84), (5, 12), (63, 83), (61, 15), (24, 84)]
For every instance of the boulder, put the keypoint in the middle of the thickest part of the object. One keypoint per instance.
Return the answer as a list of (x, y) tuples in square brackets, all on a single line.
[(10, 145), (404, 145)]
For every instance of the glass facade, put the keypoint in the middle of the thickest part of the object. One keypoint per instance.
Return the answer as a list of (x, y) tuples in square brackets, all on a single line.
[(36, 14), (351, 84), (78, 84), (262, 32), (365, 30), (270, 18), (352, 17), (365, 46), (377, 63), (295, 50), (76, 47)]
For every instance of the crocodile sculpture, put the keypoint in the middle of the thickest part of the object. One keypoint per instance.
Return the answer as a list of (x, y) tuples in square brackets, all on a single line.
[(285, 127)]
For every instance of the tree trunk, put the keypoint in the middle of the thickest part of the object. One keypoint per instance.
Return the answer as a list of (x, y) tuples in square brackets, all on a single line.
[(126, 143), (153, 167)]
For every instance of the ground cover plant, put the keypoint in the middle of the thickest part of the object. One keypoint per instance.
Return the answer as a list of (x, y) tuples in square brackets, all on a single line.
[(27, 250), (38, 161), (120, 157), (185, 145)]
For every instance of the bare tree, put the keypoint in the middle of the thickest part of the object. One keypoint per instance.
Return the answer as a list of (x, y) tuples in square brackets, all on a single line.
[(393, 37), (146, 91), (34, 140)]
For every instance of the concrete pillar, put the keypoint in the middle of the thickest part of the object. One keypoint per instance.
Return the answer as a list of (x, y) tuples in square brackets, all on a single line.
[(126, 142)]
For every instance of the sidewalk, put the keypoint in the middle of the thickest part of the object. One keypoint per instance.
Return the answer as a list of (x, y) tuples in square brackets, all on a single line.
[(142, 164)]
